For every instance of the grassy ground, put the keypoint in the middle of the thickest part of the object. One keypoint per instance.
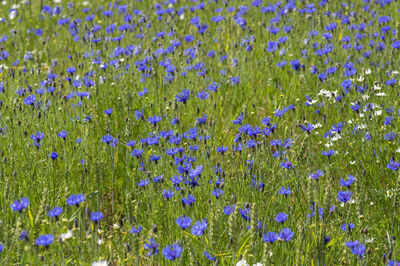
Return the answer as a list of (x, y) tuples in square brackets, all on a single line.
[(276, 122)]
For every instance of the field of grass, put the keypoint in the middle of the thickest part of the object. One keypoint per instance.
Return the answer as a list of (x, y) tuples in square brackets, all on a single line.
[(199, 132)]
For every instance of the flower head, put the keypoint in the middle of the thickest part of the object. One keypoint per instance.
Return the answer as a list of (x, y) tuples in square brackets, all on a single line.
[(44, 240), (96, 216), (75, 199), (18, 206), (172, 252)]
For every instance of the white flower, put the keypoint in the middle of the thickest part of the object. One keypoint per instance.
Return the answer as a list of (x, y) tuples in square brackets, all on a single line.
[(100, 241), (242, 263), (100, 263), (66, 236), (378, 112), (381, 94), (12, 14), (377, 87), (365, 97), (258, 264)]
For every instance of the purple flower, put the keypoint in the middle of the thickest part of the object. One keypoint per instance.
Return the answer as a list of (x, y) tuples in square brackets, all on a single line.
[(317, 174), (344, 196), (18, 206), (172, 252), (152, 246), (348, 182), (328, 153), (270, 237), (29, 100), (96, 216), (75, 199), (184, 222), (136, 231), (184, 96), (281, 217), (393, 165), (44, 240), (286, 234), (55, 212), (199, 227), (62, 134), (228, 210)]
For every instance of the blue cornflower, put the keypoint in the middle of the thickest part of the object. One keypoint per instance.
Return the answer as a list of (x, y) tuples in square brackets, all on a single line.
[(44, 240), (55, 212), (136, 231), (352, 244), (107, 139), (189, 200), (344, 196), (199, 227), (184, 96), (347, 183), (270, 237), (172, 252), (152, 247), (287, 164), (358, 250), (228, 210), (222, 149), (286, 234), (281, 217), (53, 155), (317, 174), (96, 216), (39, 32), (138, 114), (328, 153), (155, 119), (168, 194), (203, 95), (245, 213), (393, 165), (143, 183), (235, 80), (37, 138), (217, 193), (348, 227), (75, 199), (184, 222), (284, 191), (308, 128), (137, 152), (29, 100), (108, 111), (62, 134), (209, 256), (23, 236), (18, 206)]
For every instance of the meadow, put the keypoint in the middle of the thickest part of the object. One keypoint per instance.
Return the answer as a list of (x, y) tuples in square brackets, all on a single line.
[(199, 132)]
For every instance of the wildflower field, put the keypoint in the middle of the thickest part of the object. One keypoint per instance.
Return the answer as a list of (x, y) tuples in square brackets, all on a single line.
[(185, 132)]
